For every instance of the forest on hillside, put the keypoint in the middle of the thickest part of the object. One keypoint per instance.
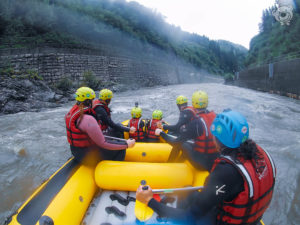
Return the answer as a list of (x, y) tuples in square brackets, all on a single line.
[(275, 42), (117, 24)]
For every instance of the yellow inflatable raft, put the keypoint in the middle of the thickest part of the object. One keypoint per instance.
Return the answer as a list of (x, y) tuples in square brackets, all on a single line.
[(105, 193)]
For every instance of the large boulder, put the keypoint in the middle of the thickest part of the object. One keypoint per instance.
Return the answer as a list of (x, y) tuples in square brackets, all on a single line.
[(17, 95)]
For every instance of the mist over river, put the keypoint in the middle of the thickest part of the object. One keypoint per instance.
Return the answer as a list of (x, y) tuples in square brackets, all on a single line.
[(274, 124)]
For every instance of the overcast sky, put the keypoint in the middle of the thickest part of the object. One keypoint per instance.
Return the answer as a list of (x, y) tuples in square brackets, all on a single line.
[(233, 20)]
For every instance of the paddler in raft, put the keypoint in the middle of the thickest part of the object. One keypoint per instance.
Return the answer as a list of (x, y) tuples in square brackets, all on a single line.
[(84, 133), (103, 116), (195, 138), (240, 186), (152, 125)]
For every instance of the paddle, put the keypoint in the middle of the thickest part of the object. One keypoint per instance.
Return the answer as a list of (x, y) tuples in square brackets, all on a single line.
[(114, 138), (172, 190), (143, 212)]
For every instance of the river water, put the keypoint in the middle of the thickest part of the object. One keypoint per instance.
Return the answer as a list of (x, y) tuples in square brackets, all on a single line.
[(33, 145)]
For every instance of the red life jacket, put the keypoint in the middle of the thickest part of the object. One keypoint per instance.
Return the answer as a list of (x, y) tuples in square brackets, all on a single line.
[(139, 134), (151, 129), (249, 205), (99, 102), (205, 143), (75, 136)]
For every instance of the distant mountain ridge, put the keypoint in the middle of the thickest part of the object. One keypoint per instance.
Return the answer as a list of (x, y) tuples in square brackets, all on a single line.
[(226, 45), (121, 24)]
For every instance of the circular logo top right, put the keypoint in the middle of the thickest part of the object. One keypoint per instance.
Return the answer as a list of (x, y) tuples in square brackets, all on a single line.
[(284, 11)]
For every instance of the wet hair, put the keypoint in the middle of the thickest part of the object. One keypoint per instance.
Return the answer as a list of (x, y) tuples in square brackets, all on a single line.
[(85, 103), (247, 151)]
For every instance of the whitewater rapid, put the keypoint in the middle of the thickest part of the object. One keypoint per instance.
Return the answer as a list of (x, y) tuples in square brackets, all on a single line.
[(274, 124)]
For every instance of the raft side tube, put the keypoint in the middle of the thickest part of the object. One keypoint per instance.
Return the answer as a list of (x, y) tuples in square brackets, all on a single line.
[(127, 176), (32, 209), (200, 175), (70, 204), (148, 152)]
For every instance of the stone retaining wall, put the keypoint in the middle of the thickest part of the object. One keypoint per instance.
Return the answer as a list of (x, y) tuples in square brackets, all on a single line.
[(54, 64), (281, 78)]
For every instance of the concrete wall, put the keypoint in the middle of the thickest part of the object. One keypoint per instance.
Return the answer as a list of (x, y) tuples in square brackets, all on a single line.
[(280, 77), (54, 64)]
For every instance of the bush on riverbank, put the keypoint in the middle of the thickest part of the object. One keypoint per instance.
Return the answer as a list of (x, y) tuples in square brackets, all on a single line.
[(229, 78), (28, 74), (64, 84), (90, 80)]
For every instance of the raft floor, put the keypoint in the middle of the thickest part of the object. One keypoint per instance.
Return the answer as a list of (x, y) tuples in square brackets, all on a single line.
[(108, 208)]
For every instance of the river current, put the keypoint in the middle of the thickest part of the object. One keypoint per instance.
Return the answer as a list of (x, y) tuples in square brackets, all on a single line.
[(33, 145)]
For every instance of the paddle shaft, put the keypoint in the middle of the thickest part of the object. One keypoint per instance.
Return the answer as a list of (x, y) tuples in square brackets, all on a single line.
[(114, 138), (171, 190), (144, 212)]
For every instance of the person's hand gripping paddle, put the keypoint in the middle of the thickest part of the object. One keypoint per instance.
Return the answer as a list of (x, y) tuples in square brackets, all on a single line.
[(142, 211)]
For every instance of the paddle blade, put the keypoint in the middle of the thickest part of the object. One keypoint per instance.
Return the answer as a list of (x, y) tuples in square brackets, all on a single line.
[(142, 211)]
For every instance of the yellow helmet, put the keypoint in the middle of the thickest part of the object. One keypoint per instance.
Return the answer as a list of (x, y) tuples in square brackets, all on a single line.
[(105, 94), (84, 93), (181, 100), (136, 112), (199, 99), (157, 114)]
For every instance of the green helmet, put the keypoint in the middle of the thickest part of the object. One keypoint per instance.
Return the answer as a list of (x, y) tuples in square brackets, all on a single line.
[(105, 94), (157, 115), (136, 112), (84, 93), (181, 100)]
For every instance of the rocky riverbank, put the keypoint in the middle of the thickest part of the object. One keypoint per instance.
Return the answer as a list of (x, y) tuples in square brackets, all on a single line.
[(17, 95), (33, 95)]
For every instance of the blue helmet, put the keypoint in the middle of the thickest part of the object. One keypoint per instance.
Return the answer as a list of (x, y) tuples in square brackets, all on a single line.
[(231, 128)]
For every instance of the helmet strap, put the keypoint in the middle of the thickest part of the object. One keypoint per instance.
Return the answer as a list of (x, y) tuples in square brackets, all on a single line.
[(88, 103), (203, 110), (181, 106)]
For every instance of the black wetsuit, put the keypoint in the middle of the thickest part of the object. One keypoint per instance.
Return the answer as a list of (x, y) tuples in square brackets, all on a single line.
[(184, 117), (184, 141), (223, 184), (116, 129)]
